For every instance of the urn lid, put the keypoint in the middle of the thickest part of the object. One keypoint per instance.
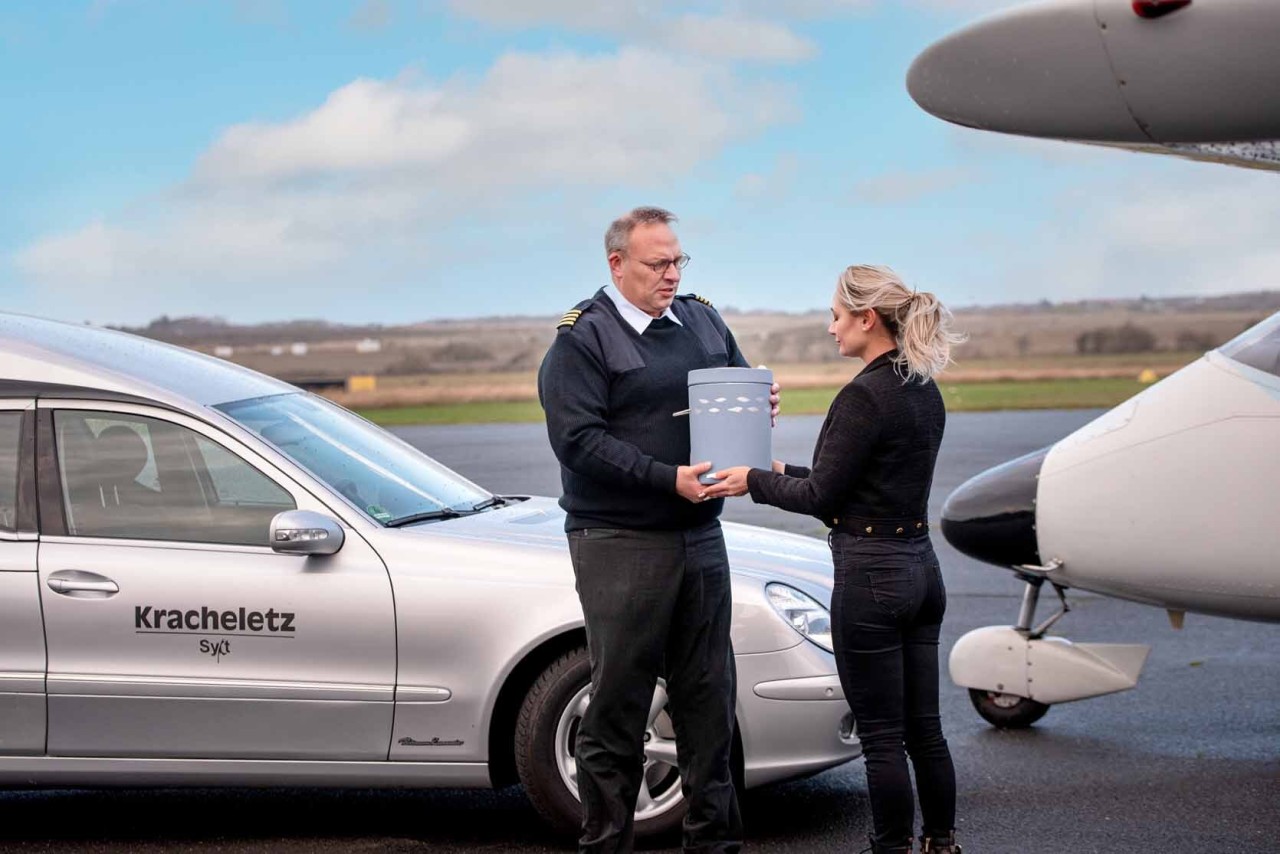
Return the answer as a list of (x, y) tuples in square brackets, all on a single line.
[(703, 376)]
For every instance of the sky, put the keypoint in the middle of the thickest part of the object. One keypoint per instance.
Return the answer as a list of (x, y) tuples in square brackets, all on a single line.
[(391, 161)]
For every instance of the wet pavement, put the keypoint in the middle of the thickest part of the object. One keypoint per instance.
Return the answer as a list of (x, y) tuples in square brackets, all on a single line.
[(1189, 761)]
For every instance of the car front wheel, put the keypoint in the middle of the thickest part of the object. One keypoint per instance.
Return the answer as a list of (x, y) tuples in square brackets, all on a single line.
[(546, 739)]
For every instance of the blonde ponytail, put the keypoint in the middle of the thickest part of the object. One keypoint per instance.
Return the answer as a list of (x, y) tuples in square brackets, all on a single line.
[(919, 322)]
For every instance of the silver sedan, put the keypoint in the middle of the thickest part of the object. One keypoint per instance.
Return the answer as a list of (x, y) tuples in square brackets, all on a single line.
[(209, 577)]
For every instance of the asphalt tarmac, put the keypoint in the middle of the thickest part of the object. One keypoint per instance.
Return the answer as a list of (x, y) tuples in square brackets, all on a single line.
[(1189, 761)]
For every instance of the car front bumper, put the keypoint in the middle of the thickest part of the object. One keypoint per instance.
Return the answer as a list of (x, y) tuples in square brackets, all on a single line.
[(792, 714)]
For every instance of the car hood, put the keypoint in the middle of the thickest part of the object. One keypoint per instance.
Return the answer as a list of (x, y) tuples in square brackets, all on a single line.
[(537, 525)]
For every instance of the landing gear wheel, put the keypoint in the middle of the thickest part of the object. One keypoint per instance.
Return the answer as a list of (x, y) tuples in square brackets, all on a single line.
[(1006, 711), (546, 737)]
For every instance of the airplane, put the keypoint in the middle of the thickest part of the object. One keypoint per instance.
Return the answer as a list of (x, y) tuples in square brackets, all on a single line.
[(1168, 499)]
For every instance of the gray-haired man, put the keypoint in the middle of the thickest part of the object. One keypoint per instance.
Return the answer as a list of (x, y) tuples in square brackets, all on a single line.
[(648, 553)]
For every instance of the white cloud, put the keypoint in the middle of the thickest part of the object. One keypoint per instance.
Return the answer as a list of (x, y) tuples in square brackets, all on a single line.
[(772, 185), (384, 166), (901, 187), (989, 146), (739, 38), (371, 15), (262, 12), (684, 27), (367, 125), (963, 6), (1188, 228), (605, 15), (530, 120)]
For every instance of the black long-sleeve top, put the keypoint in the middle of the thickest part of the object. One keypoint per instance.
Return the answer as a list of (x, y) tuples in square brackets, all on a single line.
[(609, 394), (873, 462)]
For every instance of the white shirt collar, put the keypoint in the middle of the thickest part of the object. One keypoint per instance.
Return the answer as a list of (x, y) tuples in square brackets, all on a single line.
[(635, 317)]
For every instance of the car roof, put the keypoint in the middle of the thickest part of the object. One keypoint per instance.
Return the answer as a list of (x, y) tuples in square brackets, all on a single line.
[(41, 357)]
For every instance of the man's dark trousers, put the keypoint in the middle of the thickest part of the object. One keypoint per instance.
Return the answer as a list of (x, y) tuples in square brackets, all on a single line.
[(656, 603)]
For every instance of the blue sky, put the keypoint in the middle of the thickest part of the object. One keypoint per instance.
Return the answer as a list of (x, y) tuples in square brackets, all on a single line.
[(402, 160)]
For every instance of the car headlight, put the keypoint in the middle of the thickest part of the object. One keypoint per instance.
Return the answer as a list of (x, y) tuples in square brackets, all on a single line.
[(802, 612)]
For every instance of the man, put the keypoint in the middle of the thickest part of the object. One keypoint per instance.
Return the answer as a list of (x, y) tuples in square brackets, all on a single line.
[(647, 550)]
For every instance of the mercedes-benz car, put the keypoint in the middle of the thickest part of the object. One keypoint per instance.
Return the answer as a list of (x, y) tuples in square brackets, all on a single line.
[(210, 577)]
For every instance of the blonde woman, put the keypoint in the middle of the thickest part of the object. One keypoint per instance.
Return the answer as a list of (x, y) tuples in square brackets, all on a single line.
[(869, 483)]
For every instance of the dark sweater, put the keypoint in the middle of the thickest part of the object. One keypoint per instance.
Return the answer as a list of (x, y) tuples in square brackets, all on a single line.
[(609, 394), (873, 462)]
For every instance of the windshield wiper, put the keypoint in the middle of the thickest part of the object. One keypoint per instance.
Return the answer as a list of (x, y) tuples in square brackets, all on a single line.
[(446, 513), (428, 516)]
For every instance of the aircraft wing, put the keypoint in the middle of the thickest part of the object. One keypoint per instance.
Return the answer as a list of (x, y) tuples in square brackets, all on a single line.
[(1193, 78)]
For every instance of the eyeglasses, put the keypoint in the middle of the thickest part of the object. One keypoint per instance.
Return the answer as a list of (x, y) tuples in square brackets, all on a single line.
[(660, 267)]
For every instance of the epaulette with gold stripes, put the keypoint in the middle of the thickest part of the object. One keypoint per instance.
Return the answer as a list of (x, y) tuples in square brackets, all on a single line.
[(700, 299), (570, 317)]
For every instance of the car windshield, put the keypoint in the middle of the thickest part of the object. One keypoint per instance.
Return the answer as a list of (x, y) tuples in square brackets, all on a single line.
[(1258, 347), (384, 477)]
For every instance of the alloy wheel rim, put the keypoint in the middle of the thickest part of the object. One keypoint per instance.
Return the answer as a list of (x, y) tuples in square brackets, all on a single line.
[(659, 784)]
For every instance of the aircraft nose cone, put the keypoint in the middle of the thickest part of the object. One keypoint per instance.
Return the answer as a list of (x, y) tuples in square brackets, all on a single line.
[(1038, 70), (992, 517)]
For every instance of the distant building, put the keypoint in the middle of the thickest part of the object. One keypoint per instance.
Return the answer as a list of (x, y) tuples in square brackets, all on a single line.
[(369, 345), (277, 350), (222, 351), (298, 349)]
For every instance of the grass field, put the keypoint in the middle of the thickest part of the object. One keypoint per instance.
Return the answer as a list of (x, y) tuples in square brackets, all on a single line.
[(960, 397)]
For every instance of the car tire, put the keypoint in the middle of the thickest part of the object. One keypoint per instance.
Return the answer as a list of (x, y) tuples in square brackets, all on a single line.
[(1006, 711), (546, 731)]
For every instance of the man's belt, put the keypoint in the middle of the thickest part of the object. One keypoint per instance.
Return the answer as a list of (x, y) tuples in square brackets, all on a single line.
[(907, 527)]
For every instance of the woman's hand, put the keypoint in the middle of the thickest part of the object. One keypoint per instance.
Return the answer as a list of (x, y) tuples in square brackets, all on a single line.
[(731, 482)]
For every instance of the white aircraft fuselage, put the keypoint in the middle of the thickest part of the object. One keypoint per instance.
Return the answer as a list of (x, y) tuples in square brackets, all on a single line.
[(1171, 498)]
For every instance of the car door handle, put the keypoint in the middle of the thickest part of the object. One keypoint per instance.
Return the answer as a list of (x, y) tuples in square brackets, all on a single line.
[(77, 583)]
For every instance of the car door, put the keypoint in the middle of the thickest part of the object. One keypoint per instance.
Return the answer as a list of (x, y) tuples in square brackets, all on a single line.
[(22, 700), (173, 629)]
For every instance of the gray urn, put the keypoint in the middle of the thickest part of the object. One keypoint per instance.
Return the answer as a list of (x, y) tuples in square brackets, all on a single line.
[(729, 418)]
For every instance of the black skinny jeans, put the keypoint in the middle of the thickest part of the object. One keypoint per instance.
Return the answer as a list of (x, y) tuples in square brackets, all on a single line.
[(886, 612)]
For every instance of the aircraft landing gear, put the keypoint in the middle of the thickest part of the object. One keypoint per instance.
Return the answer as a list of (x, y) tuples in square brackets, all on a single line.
[(1015, 673), (1009, 711), (1006, 711)]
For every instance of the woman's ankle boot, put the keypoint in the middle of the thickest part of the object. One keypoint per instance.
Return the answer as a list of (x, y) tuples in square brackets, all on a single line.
[(940, 844)]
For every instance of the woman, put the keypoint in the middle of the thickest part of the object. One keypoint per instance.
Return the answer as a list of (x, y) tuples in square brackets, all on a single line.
[(872, 469)]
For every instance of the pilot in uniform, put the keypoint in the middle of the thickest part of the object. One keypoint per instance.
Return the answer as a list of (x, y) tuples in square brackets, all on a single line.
[(651, 567)]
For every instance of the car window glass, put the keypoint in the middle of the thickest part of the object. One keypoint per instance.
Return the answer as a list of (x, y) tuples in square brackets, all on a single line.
[(377, 472), (236, 483), (1258, 347), (10, 433), (147, 476), (135, 477)]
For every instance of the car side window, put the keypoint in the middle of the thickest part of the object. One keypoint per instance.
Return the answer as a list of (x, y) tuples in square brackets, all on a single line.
[(10, 435), (134, 477)]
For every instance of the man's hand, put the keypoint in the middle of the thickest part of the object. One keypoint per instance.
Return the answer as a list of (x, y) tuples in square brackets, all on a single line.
[(687, 485), (732, 482)]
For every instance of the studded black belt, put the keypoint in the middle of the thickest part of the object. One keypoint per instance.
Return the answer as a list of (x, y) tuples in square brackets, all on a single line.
[(911, 527)]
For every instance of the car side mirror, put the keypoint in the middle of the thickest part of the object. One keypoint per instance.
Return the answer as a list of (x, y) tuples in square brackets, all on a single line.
[(305, 532)]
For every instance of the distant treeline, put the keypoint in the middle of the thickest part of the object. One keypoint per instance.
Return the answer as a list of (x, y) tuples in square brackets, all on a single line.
[(510, 344)]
